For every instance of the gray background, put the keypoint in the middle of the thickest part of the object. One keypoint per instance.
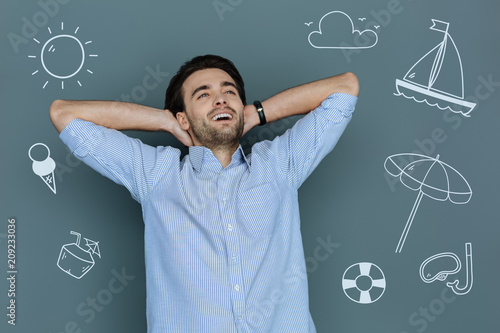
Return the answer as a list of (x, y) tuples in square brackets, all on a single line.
[(349, 199)]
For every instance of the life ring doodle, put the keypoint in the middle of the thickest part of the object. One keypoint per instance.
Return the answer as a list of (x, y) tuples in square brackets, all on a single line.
[(363, 282)]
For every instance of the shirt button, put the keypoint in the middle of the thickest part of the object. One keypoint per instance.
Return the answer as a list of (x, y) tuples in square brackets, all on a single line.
[(237, 287), (234, 258), (229, 227), (239, 318), (224, 200)]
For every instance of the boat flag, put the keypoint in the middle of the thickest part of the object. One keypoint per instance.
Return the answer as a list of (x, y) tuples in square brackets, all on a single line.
[(440, 26)]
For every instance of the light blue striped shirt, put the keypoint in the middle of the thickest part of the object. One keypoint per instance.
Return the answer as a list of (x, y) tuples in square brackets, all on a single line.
[(223, 247)]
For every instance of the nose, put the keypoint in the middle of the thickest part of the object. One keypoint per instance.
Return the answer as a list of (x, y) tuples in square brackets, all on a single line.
[(220, 100)]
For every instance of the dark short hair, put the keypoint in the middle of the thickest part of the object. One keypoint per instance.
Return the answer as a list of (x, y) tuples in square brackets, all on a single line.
[(174, 100)]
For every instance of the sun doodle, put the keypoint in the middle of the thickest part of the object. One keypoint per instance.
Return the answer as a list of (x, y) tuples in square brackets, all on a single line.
[(62, 56)]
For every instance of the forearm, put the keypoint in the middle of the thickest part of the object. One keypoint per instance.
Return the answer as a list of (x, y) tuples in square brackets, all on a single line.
[(115, 115), (306, 97)]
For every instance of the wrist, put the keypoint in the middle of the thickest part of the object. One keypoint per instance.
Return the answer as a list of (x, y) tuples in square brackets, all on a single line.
[(252, 116), (167, 122)]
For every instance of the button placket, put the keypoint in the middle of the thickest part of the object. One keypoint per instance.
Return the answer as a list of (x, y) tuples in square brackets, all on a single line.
[(228, 218)]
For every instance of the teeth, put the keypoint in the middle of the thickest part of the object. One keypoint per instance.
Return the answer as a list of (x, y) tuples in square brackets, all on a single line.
[(222, 115)]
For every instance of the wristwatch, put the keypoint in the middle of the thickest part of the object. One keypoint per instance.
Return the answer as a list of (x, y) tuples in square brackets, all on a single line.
[(260, 111)]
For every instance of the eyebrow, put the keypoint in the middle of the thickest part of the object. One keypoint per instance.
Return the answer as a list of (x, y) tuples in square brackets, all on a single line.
[(205, 87)]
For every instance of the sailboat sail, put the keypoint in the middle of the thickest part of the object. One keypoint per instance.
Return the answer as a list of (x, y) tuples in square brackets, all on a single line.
[(437, 77), (451, 81), (420, 72), (441, 51)]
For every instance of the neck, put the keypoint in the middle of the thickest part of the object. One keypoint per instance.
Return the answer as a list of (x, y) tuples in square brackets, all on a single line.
[(222, 147), (224, 155)]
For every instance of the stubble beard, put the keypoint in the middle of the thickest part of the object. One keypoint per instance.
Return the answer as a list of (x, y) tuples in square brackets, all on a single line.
[(218, 139)]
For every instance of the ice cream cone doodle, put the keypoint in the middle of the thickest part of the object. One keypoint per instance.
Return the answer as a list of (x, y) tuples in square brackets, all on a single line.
[(44, 169)]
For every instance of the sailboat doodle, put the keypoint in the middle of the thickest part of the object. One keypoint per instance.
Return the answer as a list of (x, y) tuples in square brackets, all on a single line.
[(429, 79)]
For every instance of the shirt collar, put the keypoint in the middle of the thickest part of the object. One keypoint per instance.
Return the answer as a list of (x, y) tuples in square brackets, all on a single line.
[(203, 157)]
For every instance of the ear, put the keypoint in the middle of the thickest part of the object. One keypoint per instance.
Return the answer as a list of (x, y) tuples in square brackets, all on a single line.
[(183, 121)]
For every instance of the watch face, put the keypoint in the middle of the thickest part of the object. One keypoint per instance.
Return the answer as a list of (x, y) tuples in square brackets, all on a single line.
[(258, 105)]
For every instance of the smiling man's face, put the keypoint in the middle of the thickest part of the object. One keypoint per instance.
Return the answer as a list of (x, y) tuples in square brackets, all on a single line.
[(213, 114)]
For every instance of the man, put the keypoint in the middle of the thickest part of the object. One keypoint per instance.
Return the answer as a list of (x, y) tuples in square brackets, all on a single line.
[(223, 247)]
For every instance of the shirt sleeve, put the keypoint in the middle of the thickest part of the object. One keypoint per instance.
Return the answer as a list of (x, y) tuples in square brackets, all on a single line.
[(127, 161), (300, 149)]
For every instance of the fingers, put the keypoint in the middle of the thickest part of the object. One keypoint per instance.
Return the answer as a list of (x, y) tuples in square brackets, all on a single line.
[(184, 137)]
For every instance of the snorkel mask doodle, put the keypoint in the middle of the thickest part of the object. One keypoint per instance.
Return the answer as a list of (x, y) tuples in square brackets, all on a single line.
[(439, 266)]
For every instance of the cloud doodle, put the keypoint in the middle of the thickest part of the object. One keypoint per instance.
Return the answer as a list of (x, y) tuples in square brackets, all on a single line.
[(336, 31)]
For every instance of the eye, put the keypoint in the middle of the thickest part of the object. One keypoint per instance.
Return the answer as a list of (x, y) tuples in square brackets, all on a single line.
[(203, 95), (230, 92)]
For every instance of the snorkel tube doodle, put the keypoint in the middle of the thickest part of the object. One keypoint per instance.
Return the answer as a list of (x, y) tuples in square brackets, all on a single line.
[(429, 275), (469, 277)]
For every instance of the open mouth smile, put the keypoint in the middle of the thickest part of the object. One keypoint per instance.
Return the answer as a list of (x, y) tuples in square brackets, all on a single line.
[(222, 116)]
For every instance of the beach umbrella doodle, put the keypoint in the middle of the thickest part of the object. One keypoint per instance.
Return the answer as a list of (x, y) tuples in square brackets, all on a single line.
[(428, 176)]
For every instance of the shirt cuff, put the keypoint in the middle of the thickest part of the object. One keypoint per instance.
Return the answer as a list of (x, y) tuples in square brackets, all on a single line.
[(79, 135), (338, 106)]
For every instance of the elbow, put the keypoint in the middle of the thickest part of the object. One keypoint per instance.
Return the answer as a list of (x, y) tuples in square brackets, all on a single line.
[(56, 109), (350, 84), (58, 114)]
